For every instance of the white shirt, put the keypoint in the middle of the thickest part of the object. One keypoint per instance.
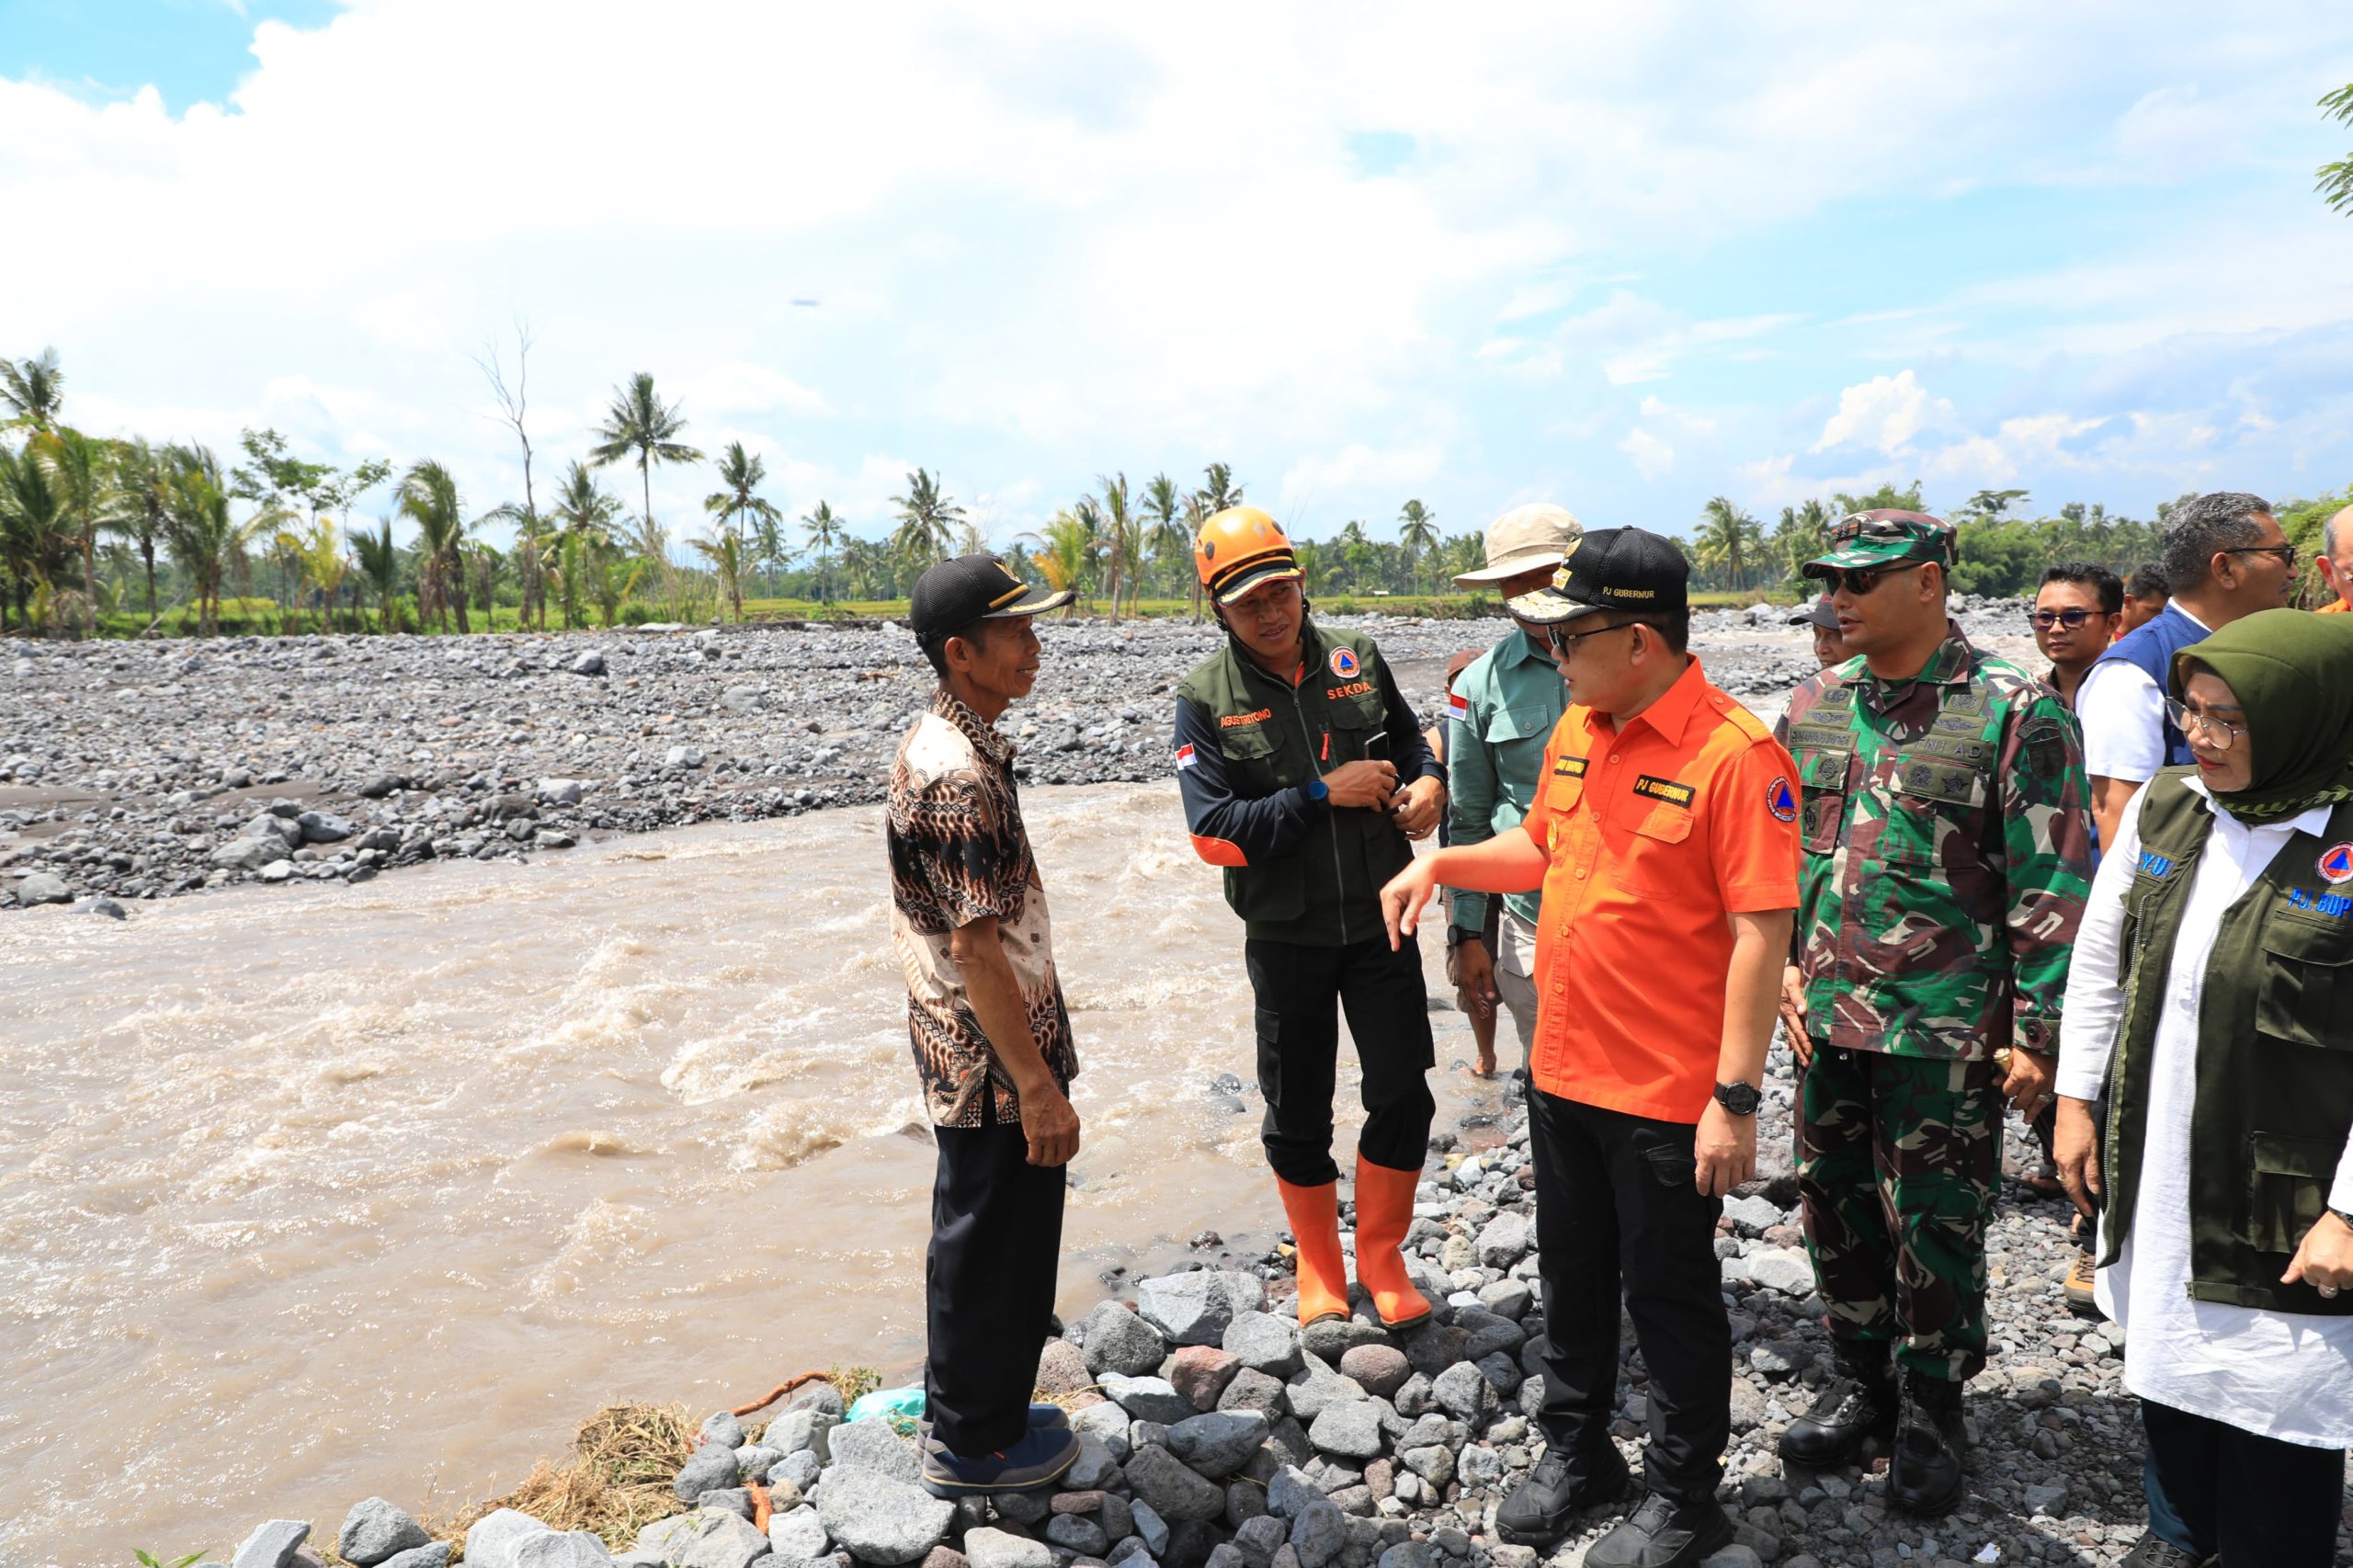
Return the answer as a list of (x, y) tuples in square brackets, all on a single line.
[(2124, 715), (2284, 1375)]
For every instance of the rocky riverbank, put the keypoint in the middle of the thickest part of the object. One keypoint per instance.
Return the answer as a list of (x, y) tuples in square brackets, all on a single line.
[(142, 770), (1218, 1434)]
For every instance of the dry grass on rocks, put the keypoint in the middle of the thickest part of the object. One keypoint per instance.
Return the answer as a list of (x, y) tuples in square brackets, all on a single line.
[(624, 1459)]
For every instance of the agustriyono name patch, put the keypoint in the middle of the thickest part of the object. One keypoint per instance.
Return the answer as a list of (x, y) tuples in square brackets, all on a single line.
[(1568, 768), (1665, 789)]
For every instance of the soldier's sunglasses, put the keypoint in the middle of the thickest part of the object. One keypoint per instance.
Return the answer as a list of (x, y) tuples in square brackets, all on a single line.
[(1860, 580), (2071, 618)]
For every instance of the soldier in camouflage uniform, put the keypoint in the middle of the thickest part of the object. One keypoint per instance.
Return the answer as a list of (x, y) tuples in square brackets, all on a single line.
[(1946, 856)]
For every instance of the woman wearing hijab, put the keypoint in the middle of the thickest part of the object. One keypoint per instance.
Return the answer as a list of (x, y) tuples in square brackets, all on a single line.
[(2213, 993)]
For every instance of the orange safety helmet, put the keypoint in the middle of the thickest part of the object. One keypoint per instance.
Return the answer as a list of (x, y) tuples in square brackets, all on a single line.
[(1239, 549)]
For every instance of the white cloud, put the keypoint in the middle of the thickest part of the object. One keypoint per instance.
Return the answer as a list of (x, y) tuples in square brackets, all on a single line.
[(1651, 458), (1886, 412), (1314, 484)]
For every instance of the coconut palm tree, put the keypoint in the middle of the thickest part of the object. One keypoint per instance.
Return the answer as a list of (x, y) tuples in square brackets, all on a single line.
[(1728, 539), (83, 477), (1802, 534), (1123, 536), (33, 391), (1164, 535), (927, 520), (1064, 549), (823, 531), (1418, 531), (206, 542), (1196, 512), (380, 564), (638, 424), (583, 506), (429, 497), (728, 558), (770, 553), (34, 542), (142, 492), (1218, 489), (741, 474)]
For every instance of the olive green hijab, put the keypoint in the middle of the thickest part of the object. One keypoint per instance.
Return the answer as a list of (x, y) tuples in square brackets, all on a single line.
[(2292, 672)]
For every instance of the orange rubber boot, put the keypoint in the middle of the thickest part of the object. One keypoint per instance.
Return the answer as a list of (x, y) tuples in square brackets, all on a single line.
[(1314, 1213), (1384, 1212)]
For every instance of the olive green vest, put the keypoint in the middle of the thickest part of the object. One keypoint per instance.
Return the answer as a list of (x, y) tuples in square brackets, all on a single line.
[(2274, 1053), (1326, 893)]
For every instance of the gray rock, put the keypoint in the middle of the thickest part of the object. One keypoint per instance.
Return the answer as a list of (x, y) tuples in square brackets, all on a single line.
[(797, 1431), (740, 699), (1259, 1536), (1350, 1428), (1150, 1527), (1095, 1467), (2051, 1500), (325, 828), (879, 1518), (798, 1470), (1379, 1368), (754, 1459), (1785, 1269), (798, 1536), (242, 854), (1320, 1533), (706, 1539), (1288, 1489), (1117, 1340), (708, 1469), (1504, 1241), (274, 1544), (1106, 1423), (872, 1446), (374, 1530), (561, 792), (683, 756), (1752, 1216), (1075, 1533), (591, 662), (735, 1500), (1461, 1390), (1781, 1357), (99, 905), (1190, 1308), (1022, 1508), (724, 1430), (1147, 1399), (1254, 1391), (1264, 1342), (277, 871), (492, 1540), (1218, 1444), (1433, 1464), (569, 1549), (1315, 1386), (1335, 1337), (1406, 1554), (820, 1396), (1732, 1556), (998, 1549), (1170, 1486), (1507, 1298), (432, 1554)]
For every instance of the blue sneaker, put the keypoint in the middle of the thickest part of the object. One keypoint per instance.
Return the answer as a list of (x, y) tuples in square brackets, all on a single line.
[(1040, 1418), (1033, 1464)]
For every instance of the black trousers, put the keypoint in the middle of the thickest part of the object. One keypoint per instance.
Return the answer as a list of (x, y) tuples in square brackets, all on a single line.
[(2254, 1499), (1616, 1208), (996, 1234), (1301, 991)]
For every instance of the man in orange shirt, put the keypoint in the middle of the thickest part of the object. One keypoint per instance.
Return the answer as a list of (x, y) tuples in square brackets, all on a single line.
[(1664, 839)]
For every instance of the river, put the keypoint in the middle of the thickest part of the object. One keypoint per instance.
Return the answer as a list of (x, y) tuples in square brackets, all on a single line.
[(312, 1195)]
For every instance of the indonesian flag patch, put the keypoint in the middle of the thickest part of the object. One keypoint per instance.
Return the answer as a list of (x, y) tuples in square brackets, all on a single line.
[(1458, 707), (1185, 755)]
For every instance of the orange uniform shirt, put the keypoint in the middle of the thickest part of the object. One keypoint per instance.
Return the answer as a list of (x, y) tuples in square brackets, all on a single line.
[(2336, 606), (1653, 832)]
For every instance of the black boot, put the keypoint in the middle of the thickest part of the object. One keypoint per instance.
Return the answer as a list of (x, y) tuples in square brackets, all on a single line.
[(1858, 1401), (1539, 1508), (1664, 1533), (1924, 1464)]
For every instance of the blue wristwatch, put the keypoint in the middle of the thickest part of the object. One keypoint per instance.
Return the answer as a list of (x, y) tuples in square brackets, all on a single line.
[(1318, 791)]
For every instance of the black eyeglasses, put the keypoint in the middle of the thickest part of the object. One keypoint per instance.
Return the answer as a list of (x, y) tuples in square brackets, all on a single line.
[(2044, 619), (2217, 734), (1860, 580), (1560, 640), (2286, 552)]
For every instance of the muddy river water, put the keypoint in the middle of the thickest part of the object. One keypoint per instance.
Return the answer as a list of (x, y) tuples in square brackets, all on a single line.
[(314, 1195)]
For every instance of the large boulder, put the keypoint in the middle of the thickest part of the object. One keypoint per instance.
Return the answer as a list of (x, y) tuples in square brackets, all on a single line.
[(709, 1538), (492, 1540), (1117, 1340), (1264, 1342), (564, 1548), (274, 1543), (879, 1518), (1218, 1444), (710, 1468), (1195, 1308), (986, 1548), (374, 1530), (872, 1446)]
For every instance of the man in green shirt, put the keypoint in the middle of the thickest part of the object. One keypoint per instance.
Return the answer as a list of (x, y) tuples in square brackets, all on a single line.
[(1501, 711)]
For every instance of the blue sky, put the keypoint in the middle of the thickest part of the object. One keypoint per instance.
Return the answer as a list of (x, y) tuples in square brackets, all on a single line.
[(1625, 258)]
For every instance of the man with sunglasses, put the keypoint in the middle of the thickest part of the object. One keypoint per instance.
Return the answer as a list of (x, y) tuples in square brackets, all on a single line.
[(2078, 611), (2224, 557), (1664, 838), (1946, 856)]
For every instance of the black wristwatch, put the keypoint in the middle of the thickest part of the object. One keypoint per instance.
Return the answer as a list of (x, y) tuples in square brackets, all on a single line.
[(1741, 1099), (2341, 1214)]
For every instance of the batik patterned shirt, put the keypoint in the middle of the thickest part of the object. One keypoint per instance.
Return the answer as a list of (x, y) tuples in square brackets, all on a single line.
[(959, 852)]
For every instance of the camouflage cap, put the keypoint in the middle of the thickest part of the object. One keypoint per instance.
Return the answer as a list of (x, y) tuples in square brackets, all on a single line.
[(1883, 538)]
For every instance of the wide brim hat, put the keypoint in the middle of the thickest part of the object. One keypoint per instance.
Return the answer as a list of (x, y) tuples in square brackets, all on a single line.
[(1526, 538)]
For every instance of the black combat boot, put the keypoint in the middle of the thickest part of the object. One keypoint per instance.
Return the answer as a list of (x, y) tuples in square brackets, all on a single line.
[(1858, 1401), (1924, 1464), (1539, 1509)]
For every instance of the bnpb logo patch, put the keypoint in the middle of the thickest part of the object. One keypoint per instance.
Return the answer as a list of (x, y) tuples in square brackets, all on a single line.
[(1343, 663), (1780, 800), (2337, 864)]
